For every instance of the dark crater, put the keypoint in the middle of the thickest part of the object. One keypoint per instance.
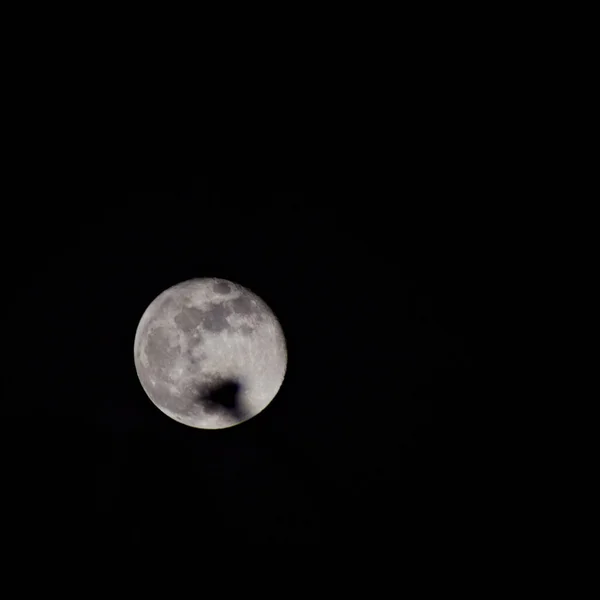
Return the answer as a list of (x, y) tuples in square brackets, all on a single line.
[(157, 347), (243, 305), (221, 288), (189, 318), (215, 318)]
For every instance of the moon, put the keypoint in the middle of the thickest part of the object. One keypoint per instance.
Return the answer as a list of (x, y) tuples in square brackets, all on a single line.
[(210, 353)]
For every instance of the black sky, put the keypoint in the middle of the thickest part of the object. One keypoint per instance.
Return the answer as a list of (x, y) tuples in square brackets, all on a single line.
[(376, 290)]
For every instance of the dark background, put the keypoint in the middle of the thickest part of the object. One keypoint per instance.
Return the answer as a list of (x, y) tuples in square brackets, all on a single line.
[(377, 286)]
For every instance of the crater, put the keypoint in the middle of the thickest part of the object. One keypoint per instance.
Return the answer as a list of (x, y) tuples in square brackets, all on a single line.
[(246, 329), (166, 304), (189, 318), (215, 319), (243, 306), (158, 348), (221, 288)]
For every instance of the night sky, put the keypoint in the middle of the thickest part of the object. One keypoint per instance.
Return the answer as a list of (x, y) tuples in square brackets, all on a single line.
[(376, 291)]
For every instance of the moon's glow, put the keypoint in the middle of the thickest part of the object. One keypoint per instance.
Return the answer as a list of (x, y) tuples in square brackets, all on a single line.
[(205, 335)]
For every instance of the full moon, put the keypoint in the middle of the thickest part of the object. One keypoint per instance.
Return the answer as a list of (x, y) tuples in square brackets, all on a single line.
[(209, 353)]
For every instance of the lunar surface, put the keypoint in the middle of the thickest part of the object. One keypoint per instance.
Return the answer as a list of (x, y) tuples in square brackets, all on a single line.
[(209, 353)]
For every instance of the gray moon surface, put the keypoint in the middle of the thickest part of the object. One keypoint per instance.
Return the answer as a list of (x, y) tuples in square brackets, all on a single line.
[(202, 334)]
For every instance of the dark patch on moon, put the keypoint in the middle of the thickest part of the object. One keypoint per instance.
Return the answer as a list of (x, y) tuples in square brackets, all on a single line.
[(167, 303), (220, 396), (243, 306), (221, 288), (158, 350), (189, 318), (246, 329), (215, 319)]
